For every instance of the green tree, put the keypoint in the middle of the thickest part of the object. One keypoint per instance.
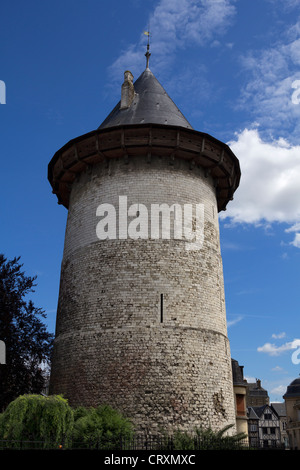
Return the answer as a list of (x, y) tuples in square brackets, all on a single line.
[(48, 420), (28, 344)]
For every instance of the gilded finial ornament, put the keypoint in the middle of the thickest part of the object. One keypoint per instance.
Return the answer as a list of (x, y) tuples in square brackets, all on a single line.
[(148, 54)]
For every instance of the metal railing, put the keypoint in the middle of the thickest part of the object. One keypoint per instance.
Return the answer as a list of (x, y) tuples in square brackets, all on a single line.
[(144, 443)]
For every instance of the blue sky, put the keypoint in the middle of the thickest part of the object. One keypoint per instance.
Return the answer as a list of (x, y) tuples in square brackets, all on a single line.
[(232, 67)]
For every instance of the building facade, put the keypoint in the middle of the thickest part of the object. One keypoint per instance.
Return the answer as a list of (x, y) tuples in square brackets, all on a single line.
[(264, 427), (141, 322), (240, 390), (292, 404), (281, 413), (256, 395)]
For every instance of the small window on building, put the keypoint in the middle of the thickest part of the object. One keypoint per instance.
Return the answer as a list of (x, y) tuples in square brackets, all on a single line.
[(161, 308), (240, 404)]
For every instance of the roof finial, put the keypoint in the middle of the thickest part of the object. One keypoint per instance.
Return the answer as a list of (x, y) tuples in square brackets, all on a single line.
[(148, 54)]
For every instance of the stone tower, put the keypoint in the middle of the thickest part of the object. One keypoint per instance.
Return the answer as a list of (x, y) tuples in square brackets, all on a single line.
[(141, 321)]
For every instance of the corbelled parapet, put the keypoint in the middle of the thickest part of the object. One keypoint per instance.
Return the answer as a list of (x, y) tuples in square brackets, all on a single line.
[(169, 142)]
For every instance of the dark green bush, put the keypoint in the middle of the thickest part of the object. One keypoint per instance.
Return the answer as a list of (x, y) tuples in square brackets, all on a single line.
[(101, 427), (207, 439)]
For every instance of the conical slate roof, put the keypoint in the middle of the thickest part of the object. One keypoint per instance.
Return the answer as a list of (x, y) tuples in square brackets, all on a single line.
[(151, 105), (293, 390), (134, 127)]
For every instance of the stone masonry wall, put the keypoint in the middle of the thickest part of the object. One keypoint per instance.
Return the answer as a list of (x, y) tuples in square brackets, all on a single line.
[(164, 369)]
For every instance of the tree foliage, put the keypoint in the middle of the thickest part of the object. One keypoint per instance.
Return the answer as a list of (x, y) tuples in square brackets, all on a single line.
[(207, 439), (100, 426), (28, 344), (38, 418), (50, 422)]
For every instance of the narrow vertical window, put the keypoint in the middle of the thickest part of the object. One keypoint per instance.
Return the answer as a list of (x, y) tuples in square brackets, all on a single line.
[(161, 308)]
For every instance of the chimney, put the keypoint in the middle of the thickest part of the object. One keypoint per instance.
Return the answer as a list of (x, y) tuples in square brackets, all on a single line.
[(258, 383), (127, 90)]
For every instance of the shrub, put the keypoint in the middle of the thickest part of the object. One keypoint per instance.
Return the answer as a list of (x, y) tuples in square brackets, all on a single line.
[(37, 418), (101, 427), (207, 439)]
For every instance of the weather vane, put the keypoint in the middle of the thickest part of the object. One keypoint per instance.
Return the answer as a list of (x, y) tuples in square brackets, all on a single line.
[(148, 54)]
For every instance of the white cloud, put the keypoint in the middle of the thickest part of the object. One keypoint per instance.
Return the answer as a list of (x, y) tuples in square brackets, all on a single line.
[(287, 4), (280, 390), (274, 350), (228, 245), (279, 335), (234, 321), (269, 190), (269, 92), (176, 24), (295, 228), (296, 241), (250, 380), (277, 369)]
